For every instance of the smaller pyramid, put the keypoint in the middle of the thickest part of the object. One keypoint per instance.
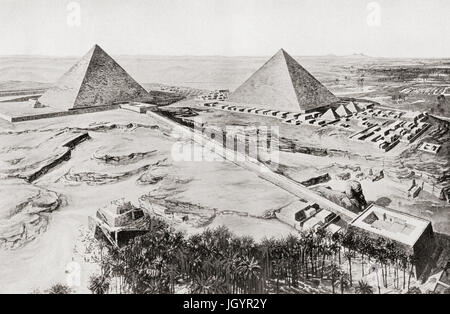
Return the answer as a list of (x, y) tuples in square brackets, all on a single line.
[(353, 107), (95, 80), (343, 111), (330, 115)]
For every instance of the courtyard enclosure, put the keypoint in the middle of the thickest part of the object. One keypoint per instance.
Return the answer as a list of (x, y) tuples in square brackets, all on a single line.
[(414, 235)]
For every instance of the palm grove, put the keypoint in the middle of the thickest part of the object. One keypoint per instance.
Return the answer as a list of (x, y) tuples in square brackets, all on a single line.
[(217, 261)]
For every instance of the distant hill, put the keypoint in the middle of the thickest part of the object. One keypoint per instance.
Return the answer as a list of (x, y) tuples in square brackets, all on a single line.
[(199, 72), (21, 85)]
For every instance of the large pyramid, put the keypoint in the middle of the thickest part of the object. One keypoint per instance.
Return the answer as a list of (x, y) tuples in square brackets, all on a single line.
[(283, 84), (95, 80)]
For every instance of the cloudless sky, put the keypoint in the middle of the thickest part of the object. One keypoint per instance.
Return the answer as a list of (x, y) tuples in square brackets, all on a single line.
[(388, 28)]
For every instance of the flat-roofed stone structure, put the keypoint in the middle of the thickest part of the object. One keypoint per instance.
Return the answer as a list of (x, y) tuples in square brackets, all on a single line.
[(412, 234)]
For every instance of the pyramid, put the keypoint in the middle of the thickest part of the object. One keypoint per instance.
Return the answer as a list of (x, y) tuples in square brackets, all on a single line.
[(343, 111), (330, 115), (353, 107), (283, 84), (95, 80)]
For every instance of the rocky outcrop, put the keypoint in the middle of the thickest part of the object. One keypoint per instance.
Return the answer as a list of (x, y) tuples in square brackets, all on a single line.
[(177, 211), (344, 176), (317, 180), (124, 159), (104, 177), (94, 178), (149, 178), (52, 162), (24, 212), (291, 146), (94, 127)]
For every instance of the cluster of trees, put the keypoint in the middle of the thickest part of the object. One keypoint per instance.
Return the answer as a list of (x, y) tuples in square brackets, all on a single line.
[(58, 288), (217, 261), (398, 97), (386, 255), (409, 73)]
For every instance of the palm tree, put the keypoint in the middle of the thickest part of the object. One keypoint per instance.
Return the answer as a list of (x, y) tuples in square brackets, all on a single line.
[(365, 248), (335, 274), (404, 266), (99, 284), (374, 268), (338, 238), (382, 256), (397, 255), (250, 271), (345, 281), (293, 252), (326, 251), (277, 267), (414, 290), (363, 288), (230, 265), (208, 285), (349, 255), (411, 261), (59, 288)]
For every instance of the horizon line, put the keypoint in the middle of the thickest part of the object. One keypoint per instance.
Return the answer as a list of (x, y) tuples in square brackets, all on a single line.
[(231, 56)]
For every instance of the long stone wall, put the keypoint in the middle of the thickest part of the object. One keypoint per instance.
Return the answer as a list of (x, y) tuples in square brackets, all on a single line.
[(22, 92), (56, 114), (262, 170)]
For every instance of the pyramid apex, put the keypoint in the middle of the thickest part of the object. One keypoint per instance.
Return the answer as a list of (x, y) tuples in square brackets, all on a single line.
[(281, 53), (97, 46), (284, 52), (93, 49)]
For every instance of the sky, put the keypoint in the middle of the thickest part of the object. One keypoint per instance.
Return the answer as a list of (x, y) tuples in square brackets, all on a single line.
[(382, 28)]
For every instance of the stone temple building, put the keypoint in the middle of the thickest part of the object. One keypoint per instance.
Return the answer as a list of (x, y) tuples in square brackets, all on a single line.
[(412, 234)]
